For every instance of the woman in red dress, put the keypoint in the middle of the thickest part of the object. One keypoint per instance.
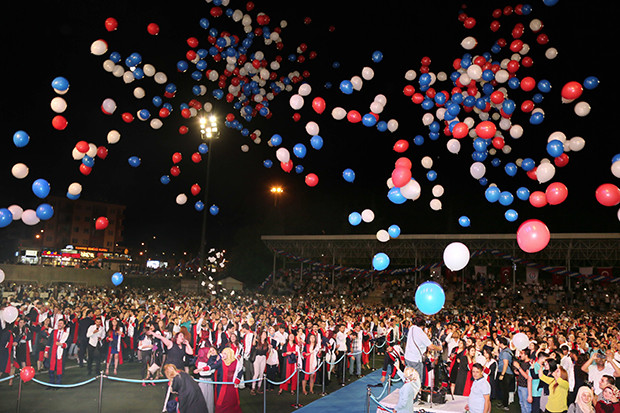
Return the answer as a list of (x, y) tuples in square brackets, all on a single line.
[(230, 372), (290, 354)]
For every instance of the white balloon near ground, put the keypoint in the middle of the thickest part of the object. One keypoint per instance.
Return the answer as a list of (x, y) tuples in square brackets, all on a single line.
[(456, 256), (368, 215), (113, 137), (20, 170), (58, 104), (16, 211), (181, 199), (383, 235)]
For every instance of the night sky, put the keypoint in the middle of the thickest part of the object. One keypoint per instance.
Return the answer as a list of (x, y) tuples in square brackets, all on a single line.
[(53, 38)]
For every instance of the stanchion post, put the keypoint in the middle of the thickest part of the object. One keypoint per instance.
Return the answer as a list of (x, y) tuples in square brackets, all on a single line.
[(264, 392), (368, 399), (374, 350), (99, 402), (19, 394), (344, 368), (297, 405), (323, 379)]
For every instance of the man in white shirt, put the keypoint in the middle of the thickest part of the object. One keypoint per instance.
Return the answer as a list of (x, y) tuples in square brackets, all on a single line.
[(95, 336), (480, 394), (248, 343), (604, 367), (341, 349), (417, 344), (567, 363)]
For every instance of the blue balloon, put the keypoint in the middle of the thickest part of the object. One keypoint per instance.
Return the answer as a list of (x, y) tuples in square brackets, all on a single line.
[(430, 298), (73, 197), (555, 148), (511, 169), (382, 126), (88, 161), (45, 212), (464, 221), (316, 142), (6, 217), (377, 56), (199, 206), (511, 215), (203, 148), (267, 163), (591, 82), (523, 193), (299, 169), (348, 175), (214, 210), (355, 218), (21, 138), (134, 161), (117, 278), (528, 164), (346, 87), (299, 150), (418, 140), (275, 140), (492, 194), (537, 118), (380, 261), (544, 86), (60, 83), (369, 120), (396, 196), (394, 231), (506, 198), (41, 188), (431, 175)]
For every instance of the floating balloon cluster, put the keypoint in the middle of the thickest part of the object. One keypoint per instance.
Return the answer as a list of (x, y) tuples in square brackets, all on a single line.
[(474, 107)]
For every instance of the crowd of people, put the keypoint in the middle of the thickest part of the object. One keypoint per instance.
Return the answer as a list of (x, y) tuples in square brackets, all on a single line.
[(571, 360)]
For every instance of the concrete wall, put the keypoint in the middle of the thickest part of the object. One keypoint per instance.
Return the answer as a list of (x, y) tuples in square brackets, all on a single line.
[(46, 275)]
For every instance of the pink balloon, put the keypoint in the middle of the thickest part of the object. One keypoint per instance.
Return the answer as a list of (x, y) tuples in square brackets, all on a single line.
[(608, 195), (533, 236), (401, 177), (556, 193)]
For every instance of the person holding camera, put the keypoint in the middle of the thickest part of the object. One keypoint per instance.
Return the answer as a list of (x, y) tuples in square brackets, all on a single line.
[(95, 336)]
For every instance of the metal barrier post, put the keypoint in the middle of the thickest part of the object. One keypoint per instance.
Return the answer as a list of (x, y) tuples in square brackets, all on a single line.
[(344, 369), (323, 379), (264, 392), (297, 405), (19, 394), (374, 350), (99, 402), (368, 399)]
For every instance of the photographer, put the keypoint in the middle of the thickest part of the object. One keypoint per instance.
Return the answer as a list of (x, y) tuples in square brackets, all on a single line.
[(95, 336)]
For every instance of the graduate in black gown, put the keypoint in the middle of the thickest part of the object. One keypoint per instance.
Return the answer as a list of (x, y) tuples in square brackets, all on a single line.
[(188, 392)]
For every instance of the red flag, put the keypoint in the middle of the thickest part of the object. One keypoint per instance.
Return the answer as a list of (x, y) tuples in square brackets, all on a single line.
[(505, 274), (605, 272)]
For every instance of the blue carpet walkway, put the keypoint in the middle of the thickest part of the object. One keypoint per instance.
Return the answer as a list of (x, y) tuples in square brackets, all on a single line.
[(351, 398)]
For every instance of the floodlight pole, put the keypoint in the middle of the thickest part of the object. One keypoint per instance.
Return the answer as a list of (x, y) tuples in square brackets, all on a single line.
[(208, 136)]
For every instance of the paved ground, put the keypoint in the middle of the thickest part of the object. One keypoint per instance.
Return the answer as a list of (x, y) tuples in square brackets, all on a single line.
[(129, 397)]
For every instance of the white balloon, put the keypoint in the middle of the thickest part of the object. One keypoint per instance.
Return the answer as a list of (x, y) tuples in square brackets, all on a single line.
[(283, 155), (477, 170), (305, 89), (438, 191), (551, 53), (20, 171), (139, 93), (338, 113), (77, 155), (161, 78), (456, 256), (98, 47), (113, 137), (615, 169), (118, 71), (454, 146), (75, 188), (582, 109), (469, 43), (520, 341), (10, 314), (368, 73), (156, 123), (376, 107), (357, 82), (181, 199), (411, 190), (410, 74), (312, 128), (16, 211), (502, 76), (383, 235), (296, 101), (557, 135), (516, 131), (149, 70), (58, 104), (435, 204), (545, 172), (390, 183), (108, 65), (368, 215), (536, 25), (29, 217), (381, 99), (2, 276), (427, 162), (108, 106), (474, 72), (427, 119), (92, 150), (128, 77), (245, 148)]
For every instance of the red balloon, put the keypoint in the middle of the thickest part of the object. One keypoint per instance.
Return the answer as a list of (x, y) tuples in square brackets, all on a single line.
[(528, 84), (538, 199), (561, 160), (102, 152), (101, 223), (572, 90), (27, 373), (460, 130), (401, 145), (164, 112), (354, 116), (153, 29), (287, 166), (318, 104), (486, 129), (608, 195), (127, 117), (498, 142), (533, 236), (195, 189), (82, 146), (111, 24), (401, 177), (556, 193), (176, 157), (85, 170), (59, 122), (192, 42), (196, 157), (312, 179), (403, 163), (175, 171), (296, 117), (497, 97)]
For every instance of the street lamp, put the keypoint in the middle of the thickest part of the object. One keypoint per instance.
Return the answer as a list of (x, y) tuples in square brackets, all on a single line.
[(208, 133), (276, 191)]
